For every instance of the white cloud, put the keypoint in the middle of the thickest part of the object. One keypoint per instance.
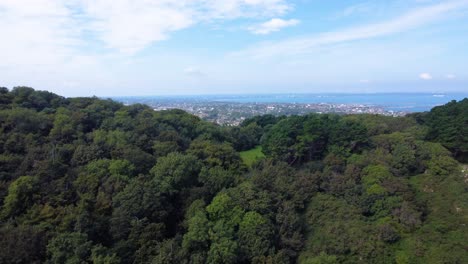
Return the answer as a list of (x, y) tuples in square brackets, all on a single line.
[(52, 31), (359, 8), (193, 71), (229, 9), (275, 24), (49, 44), (130, 26), (406, 22), (450, 76), (425, 76), (36, 32)]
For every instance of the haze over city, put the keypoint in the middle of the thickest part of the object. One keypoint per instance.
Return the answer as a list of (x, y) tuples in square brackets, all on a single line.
[(123, 47)]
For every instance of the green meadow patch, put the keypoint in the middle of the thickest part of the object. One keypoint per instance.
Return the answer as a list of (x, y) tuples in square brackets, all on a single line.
[(250, 156)]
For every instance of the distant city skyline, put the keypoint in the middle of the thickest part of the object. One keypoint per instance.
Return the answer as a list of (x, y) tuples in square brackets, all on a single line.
[(190, 47)]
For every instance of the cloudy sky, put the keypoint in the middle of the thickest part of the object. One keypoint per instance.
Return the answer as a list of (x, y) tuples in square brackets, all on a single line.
[(155, 47)]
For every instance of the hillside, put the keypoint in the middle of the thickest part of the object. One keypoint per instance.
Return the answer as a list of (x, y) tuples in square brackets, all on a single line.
[(85, 180)]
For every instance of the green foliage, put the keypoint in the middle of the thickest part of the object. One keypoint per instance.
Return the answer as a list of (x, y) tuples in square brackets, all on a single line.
[(20, 196), (223, 251), (214, 154), (65, 127), (373, 177), (110, 183), (29, 98), (255, 235), (448, 125), (280, 143), (216, 178), (263, 121), (175, 171), (197, 237), (323, 258), (24, 121), (301, 139), (69, 248), (442, 166), (101, 255), (22, 244)]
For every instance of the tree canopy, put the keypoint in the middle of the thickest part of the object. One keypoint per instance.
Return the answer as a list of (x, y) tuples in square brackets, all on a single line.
[(86, 180)]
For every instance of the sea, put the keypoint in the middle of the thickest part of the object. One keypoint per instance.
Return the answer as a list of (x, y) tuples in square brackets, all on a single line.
[(398, 102)]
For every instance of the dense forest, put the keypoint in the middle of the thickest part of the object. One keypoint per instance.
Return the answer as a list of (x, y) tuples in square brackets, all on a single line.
[(86, 180)]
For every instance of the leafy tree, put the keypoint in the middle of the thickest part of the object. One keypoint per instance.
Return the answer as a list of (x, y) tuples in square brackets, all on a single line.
[(255, 235), (197, 236), (279, 143), (5, 98), (213, 154), (323, 258), (223, 251), (374, 176), (175, 171), (448, 125), (137, 201), (442, 166), (38, 100), (24, 120), (101, 255), (69, 248), (20, 196), (65, 128), (22, 244), (216, 178)]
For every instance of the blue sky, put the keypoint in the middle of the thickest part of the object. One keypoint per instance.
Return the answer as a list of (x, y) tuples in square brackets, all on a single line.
[(164, 47)]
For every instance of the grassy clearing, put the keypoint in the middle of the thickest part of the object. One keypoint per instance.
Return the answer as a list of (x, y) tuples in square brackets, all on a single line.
[(250, 156)]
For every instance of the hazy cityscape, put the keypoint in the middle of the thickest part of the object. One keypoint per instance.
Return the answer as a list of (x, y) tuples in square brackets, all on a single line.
[(233, 113)]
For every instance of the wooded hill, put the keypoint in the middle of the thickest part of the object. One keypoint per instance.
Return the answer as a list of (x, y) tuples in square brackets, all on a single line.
[(85, 180)]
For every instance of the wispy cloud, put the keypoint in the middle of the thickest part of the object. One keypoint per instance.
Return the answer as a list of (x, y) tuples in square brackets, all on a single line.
[(193, 71), (36, 32), (52, 29), (66, 44), (425, 76), (273, 25), (411, 20), (130, 26), (360, 8), (450, 76), (231, 9)]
